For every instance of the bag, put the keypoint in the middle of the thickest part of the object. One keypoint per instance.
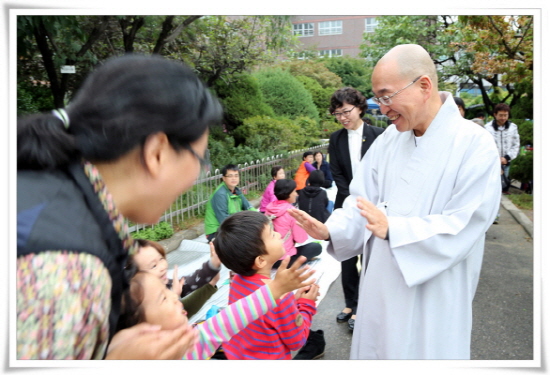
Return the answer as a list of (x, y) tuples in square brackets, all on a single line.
[(504, 180)]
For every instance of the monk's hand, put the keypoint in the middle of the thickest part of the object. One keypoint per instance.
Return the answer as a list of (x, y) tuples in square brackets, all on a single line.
[(312, 226), (377, 221)]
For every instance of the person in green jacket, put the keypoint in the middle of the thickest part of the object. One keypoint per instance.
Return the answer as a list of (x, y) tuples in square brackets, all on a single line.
[(226, 200)]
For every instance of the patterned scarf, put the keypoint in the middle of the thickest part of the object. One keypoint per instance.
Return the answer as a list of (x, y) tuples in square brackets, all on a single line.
[(119, 222)]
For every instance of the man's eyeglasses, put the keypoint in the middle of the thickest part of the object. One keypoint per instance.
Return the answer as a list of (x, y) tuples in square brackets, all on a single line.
[(386, 100), (204, 162), (232, 175), (343, 113)]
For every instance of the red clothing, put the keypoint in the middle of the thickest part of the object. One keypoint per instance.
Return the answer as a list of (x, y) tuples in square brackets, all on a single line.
[(276, 334)]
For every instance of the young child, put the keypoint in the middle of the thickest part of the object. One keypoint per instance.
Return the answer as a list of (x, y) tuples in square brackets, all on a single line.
[(291, 232), (151, 258), (247, 245), (313, 199), (148, 300), (277, 173), (303, 171)]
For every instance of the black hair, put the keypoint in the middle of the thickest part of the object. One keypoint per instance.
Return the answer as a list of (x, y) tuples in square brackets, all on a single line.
[(316, 178), (480, 114), (307, 153), (367, 120), (131, 309), (459, 102), (501, 107), (118, 106), (229, 167), (239, 241), (348, 95), (283, 188), (275, 169)]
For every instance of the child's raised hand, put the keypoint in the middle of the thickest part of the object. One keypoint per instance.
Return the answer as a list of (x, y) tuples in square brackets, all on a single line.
[(289, 279), (215, 279), (177, 284), (216, 262), (312, 293)]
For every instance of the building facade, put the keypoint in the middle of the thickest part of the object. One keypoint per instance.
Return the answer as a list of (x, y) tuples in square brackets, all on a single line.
[(332, 36)]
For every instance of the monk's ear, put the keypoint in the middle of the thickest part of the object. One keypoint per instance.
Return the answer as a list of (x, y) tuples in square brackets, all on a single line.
[(426, 83)]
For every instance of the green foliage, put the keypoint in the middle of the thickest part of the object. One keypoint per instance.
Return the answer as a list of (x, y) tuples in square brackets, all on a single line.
[(223, 150), (523, 107), (353, 72), (522, 201), (525, 131), (285, 94), (266, 133), (158, 232), (33, 99), (241, 99), (329, 126), (314, 69), (321, 96), (521, 168)]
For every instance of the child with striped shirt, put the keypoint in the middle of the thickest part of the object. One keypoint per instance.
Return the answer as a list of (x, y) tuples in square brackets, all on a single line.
[(148, 300), (247, 244)]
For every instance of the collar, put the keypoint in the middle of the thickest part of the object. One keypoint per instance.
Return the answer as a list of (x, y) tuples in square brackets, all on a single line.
[(120, 223), (359, 130)]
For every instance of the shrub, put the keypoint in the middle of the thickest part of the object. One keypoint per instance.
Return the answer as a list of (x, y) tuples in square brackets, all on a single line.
[(525, 130), (321, 96), (285, 94), (267, 133), (242, 99), (158, 232), (352, 71), (521, 168)]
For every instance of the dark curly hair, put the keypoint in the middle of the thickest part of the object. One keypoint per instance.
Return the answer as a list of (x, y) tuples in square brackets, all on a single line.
[(348, 95)]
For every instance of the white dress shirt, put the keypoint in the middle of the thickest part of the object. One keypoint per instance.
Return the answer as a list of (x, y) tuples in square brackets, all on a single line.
[(355, 140)]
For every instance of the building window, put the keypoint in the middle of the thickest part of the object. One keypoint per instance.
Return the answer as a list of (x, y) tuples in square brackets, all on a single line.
[(370, 24), (303, 29), (330, 53), (330, 27)]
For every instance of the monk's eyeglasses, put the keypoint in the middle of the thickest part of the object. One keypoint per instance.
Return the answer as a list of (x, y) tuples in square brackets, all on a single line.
[(386, 100)]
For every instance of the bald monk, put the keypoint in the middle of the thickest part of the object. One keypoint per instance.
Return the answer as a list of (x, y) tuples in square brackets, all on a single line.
[(420, 203)]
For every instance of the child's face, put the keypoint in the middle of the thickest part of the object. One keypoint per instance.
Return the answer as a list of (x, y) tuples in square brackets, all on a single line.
[(273, 244), (148, 259), (280, 174), (160, 305), (292, 197), (309, 159)]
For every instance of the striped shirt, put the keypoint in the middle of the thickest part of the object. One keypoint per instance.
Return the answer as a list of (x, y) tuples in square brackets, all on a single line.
[(275, 335), (222, 326)]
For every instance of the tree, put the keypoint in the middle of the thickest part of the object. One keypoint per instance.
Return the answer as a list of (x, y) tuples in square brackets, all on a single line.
[(353, 72), (502, 50), (59, 40), (481, 49), (221, 47)]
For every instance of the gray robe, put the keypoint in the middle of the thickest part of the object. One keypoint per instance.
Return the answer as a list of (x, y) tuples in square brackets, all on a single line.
[(440, 192)]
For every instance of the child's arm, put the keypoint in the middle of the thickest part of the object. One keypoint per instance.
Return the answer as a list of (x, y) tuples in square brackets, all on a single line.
[(222, 326), (291, 319)]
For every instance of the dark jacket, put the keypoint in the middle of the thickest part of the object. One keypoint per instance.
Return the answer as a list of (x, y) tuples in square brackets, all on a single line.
[(325, 167), (60, 211), (314, 201), (340, 162)]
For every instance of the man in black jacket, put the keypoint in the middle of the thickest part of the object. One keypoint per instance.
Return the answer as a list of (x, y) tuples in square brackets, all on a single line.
[(346, 148)]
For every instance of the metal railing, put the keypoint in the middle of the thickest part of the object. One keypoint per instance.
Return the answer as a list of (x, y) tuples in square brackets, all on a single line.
[(254, 177)]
